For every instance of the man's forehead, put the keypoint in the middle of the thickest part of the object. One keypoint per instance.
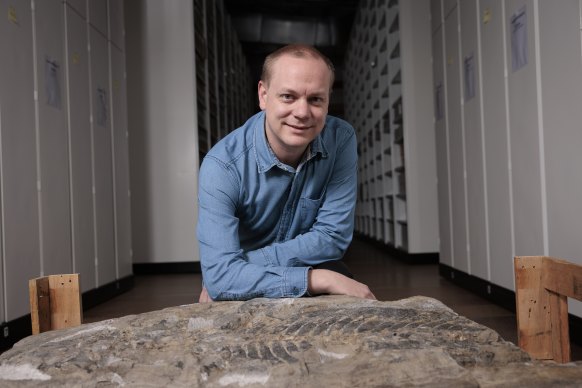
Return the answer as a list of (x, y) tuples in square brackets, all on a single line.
[(289, 57), (281, 67)]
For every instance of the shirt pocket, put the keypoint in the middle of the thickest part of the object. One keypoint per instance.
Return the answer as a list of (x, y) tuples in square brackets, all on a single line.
[(308, 213)]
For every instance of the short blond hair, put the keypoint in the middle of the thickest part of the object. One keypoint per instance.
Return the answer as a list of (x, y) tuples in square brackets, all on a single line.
[(297, 51)]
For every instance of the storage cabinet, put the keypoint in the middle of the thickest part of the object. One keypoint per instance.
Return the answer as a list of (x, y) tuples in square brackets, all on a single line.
[(82, 220), (442, 144), (510, 152), (51, 107), (122, 197), (456, 141), (496, 137), (388, 100), (473, 133), (102, 158), (59, 144)]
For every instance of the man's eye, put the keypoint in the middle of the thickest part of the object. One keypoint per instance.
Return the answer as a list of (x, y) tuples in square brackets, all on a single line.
[(286, 97), (316, 100)]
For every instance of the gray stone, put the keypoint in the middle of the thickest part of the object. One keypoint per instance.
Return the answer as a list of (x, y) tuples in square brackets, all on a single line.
[(307, 342)]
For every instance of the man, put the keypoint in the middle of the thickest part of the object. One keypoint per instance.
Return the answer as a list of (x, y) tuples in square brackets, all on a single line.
[(277, 195)]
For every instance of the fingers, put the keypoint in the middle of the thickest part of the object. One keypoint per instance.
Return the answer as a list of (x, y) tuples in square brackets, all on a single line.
[(369, 295), (323, 281), (359, 290)]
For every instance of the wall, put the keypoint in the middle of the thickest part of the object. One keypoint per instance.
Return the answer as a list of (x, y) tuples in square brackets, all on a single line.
[(63, 146), (162, 116), (508, 139)]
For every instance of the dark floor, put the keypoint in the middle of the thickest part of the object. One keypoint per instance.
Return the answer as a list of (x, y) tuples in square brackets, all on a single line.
[(388, 278)]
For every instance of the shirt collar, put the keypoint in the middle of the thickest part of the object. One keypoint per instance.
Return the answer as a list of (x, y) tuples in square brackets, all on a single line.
[(265, 156)]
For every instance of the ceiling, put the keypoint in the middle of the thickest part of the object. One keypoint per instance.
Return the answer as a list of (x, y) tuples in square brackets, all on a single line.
[(265, 25)]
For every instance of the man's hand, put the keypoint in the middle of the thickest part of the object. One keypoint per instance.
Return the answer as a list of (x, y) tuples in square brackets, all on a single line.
[(323, 281), (204, 297)]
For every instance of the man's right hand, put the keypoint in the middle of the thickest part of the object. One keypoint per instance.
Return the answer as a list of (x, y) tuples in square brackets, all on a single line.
[(323, 281)]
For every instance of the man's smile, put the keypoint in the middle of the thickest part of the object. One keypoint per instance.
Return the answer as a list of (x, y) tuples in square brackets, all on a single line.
[(298, 127)]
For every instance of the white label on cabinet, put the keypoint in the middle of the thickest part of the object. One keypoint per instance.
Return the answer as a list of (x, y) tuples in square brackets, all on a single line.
[(519, 50)]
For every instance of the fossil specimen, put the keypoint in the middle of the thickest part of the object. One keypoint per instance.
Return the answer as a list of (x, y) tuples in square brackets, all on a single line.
[(323, 341)]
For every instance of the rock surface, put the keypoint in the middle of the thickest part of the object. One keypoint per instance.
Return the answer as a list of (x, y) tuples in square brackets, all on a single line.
[(308, 342)]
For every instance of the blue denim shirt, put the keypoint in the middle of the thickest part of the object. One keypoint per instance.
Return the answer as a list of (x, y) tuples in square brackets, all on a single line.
[(262, 223)]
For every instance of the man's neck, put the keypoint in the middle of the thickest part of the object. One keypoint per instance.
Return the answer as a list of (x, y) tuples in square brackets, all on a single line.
[(289, 156)]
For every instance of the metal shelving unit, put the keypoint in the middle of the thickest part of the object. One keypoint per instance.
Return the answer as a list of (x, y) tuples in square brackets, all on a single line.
[(223, 80), (378, 64)]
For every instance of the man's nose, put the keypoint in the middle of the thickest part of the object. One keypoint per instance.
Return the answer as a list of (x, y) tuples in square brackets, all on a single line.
[(301, 108)]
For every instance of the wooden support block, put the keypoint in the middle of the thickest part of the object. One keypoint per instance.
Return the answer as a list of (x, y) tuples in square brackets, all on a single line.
[(40, 307), (534, 329), (55, 302)]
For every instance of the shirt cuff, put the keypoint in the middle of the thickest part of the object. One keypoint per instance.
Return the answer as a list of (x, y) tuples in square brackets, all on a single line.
[(295, 282)]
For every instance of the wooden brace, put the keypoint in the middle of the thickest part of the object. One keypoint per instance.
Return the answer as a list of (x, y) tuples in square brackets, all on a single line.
[(542, 288)]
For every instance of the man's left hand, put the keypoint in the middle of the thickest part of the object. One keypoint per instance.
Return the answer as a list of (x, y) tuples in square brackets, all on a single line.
[(204, 297)]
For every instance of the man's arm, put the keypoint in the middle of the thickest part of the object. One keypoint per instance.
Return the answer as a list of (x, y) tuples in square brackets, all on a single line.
[(322, 281)]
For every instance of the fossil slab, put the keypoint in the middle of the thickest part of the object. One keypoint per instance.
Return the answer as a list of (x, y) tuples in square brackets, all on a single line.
[(307, 342)]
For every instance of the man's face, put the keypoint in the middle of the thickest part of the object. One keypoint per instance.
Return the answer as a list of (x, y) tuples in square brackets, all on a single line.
[(295, 102)]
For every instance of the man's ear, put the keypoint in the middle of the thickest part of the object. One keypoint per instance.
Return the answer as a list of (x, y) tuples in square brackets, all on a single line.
[(262, 92)]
